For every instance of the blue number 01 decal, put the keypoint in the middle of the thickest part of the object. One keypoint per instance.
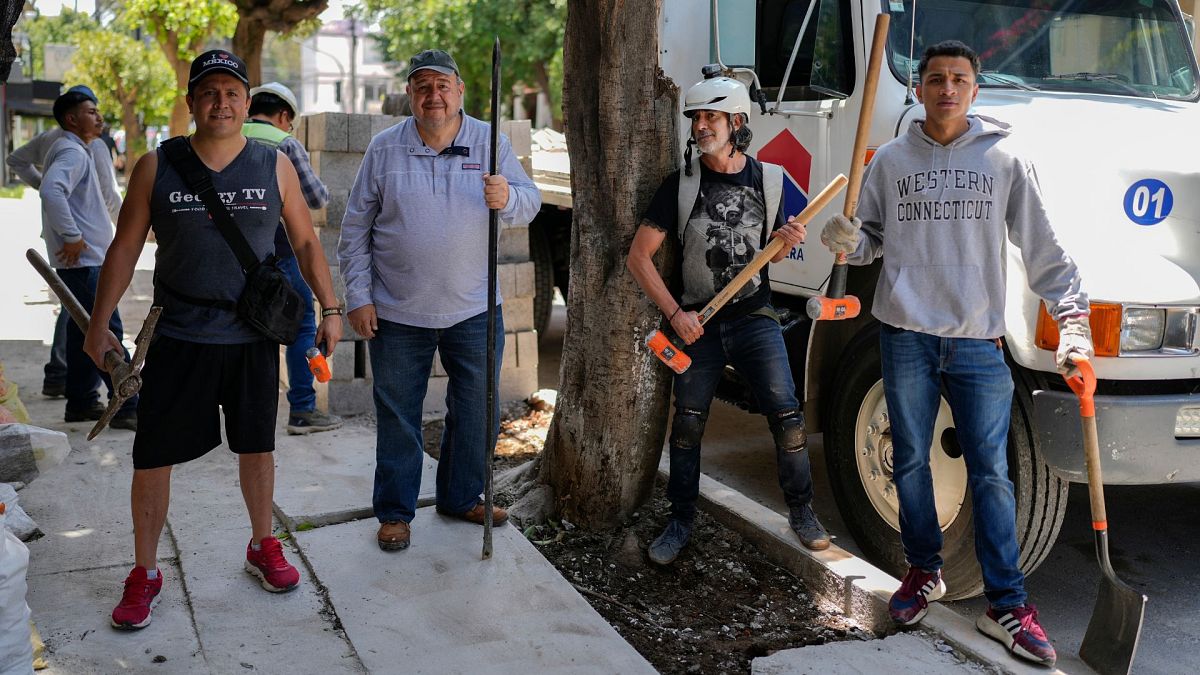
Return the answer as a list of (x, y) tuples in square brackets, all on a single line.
[(1148, 201)]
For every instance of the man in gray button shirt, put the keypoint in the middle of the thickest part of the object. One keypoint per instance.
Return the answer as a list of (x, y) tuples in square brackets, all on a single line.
[(413, 254), (27, 162), (77, 230)]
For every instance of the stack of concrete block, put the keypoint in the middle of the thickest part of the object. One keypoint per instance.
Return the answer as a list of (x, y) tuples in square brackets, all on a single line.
[(336, 143)]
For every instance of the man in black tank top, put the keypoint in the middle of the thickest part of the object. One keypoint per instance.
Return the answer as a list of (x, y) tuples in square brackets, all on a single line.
[(203, 357)]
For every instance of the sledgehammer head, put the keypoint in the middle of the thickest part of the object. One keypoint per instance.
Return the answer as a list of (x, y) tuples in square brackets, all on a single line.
[(668, 351), (833, 309)]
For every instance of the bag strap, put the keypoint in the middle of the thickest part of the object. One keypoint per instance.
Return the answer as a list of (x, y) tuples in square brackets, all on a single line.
[(198, 177), (689, 187), (772, 190)]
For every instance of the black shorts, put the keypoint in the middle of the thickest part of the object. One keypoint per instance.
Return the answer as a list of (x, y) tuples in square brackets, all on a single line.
[(183, 383)]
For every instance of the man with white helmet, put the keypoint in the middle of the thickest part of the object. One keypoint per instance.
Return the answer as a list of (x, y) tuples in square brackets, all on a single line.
[(723, 215), (273, 110)]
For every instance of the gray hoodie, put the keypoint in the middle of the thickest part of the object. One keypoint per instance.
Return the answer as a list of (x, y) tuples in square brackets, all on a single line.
[(948, 211)]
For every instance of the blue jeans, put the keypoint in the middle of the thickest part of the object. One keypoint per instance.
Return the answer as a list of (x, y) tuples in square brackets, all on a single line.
[(301, 396), (83, 377), (979, 388), (754, 345), (401, 360), (56, 367)]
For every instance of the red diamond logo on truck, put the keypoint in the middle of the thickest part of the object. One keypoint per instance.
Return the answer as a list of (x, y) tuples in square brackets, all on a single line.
[(787, 152)]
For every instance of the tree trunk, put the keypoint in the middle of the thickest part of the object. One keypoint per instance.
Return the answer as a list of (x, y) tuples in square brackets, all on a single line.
[(135, 135), (180, 116), (248, 44), (620, 111)]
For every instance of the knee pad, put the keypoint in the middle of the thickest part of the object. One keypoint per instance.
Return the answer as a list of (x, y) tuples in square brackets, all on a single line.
[(688, 428), (787, 426)]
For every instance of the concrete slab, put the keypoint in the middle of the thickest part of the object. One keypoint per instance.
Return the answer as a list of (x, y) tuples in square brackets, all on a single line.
[(72, 609), (328, 478), (897, 654), (241, 626), (437, 608)]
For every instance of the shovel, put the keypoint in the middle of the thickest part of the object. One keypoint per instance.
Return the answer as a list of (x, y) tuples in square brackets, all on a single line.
[(1112, 634)]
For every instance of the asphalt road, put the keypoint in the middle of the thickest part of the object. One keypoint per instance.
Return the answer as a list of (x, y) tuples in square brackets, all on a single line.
[(1154, 534)]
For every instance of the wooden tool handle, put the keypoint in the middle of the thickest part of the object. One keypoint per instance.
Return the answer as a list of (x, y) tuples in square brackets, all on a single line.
[(771, 250), (858, 156), (1084, 386)]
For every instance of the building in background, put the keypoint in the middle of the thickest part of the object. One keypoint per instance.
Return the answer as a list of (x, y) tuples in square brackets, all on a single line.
[(342, 69)]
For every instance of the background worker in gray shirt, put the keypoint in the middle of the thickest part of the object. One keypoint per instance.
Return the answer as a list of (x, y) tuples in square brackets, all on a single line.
[(413, 254), (27, 162), (77, 230)]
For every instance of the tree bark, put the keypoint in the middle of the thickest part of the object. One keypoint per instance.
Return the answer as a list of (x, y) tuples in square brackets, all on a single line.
[(248, 44), (543, 81), (180, 116), (620, 113)]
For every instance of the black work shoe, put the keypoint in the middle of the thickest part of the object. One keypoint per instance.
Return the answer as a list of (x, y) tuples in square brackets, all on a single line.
[(806, 526), (311, 422), (86, 415), (54, 389), (666, 548), (124, 422)]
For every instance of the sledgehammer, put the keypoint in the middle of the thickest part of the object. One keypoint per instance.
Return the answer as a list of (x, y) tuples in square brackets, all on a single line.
[(126, 377), (669, 350), (836, 304)]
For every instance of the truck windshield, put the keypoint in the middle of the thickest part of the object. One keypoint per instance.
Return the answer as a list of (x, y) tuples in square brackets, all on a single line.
[(1121, 47)]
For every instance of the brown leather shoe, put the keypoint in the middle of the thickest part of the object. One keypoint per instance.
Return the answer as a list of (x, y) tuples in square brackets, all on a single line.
[(393, 536), (475, 515)]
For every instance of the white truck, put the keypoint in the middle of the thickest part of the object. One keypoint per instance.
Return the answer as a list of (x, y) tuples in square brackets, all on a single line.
[(1103, 97)]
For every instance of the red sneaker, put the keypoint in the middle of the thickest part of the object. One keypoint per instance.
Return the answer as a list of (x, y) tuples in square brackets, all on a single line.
[(919, 588), (272, 569), (138, 600), (1020, 631)]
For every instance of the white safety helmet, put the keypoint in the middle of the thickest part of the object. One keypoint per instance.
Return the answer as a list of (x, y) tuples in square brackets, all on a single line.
[(280, 91), (724, 94)]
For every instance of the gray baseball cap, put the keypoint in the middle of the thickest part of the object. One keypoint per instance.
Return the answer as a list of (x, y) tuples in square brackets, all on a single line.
[(432, 59)]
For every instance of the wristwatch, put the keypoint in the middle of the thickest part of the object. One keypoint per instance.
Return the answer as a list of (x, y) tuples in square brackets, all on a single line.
[(330, 311)]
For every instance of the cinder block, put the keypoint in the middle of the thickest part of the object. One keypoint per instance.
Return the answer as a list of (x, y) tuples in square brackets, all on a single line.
[(329, 236), (514, 244), (518, 314), (527, 349), (510, 351), (518, 383), (328, 132), (350, 397), (360, 133), (435, 396), (342, 361), (336, 169), (332, 213), (381, 122), (300, 130), (516, 280)]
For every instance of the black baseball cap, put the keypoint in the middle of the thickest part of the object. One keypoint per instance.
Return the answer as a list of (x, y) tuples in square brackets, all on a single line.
[(217, 61), (432, 59)]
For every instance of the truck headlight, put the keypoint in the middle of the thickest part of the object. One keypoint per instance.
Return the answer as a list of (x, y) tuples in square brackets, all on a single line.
[(1142, 329)]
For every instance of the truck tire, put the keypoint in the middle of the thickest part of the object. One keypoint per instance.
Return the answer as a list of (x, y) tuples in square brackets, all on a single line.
[(858, 460), (543, 276)]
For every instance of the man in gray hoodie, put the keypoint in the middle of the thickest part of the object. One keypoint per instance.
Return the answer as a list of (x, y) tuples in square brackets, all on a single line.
[(947, 195)]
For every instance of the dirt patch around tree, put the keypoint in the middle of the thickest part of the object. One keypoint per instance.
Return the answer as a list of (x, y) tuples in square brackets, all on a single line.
[(721, 604)]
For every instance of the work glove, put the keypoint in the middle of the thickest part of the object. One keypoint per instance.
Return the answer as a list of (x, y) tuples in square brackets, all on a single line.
[(1074, 337), (840, 234)]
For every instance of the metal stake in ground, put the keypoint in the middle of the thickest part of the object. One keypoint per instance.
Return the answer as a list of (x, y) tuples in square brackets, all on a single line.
[(126, 377), (493, 235)]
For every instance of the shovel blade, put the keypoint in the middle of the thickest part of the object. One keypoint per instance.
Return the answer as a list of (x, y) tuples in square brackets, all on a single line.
[(1116, 625)]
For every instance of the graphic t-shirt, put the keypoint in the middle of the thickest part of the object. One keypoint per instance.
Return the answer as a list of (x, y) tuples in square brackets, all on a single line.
[(722, 235)]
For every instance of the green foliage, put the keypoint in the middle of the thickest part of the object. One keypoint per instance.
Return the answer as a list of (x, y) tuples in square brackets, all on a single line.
[(127, 76), (43, 30), (530, 32), (182, 25), (12, 191)]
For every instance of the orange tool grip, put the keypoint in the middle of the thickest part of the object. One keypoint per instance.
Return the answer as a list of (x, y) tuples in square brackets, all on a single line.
[(1084, 386), (318, 365), (668, 352)]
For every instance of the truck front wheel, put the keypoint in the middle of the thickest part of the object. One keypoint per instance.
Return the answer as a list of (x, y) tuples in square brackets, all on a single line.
[(858, 456)]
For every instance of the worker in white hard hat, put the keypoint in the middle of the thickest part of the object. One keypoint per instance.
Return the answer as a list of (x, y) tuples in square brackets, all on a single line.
[(723, 215), (273, 112)]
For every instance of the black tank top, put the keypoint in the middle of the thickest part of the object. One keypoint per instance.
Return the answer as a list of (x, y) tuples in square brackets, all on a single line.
[(193, 258)]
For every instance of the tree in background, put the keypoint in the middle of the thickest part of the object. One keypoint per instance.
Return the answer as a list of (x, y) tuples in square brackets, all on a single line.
[(182, 28), (44, 30), (256, 17), (136, 77), (530, 32), (604, 443)]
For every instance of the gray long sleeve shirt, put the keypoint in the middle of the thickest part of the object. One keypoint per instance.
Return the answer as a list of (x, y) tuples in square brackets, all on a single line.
[(414, 237), (72, 205), (940, 216), (28, 160)]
